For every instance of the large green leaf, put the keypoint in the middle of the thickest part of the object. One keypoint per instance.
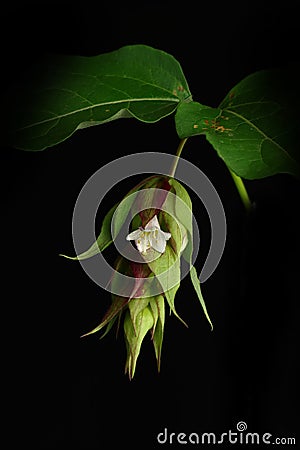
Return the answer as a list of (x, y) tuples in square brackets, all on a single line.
[(255, 128), (71, 92)]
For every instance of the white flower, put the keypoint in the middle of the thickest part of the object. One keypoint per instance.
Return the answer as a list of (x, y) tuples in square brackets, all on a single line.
[(150, 237)]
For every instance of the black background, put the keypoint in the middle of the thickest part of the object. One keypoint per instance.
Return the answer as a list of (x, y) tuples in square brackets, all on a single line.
[(69, 393)]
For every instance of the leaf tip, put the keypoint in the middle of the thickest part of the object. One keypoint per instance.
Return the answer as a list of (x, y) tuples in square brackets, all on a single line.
[(181, 320), (73, 258)]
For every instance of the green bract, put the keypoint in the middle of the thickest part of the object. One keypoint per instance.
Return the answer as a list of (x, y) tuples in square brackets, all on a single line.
[(142, 311)]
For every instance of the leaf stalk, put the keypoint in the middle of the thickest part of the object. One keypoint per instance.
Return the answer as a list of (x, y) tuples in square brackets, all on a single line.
[(177, 156), (242, 191)]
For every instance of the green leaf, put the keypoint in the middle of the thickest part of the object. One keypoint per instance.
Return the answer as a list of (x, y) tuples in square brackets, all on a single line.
[(136, 305), (157, 342), (118, 303), (184, 215), (193, 118), (110, 325), (166, 268), (67, 93), (151, 198), (134, 337), (175, 230), (123, 210), (255, 128), (157, 305), (155, 310), (196, 284), (118, 213)]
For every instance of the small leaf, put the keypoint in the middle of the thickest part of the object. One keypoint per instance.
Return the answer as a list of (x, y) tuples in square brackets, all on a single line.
[(67, 93), (154, 192), (118, 302), (136, 305), (166, 268), (103, 241), (184, 215), (123, 210), (158, 305), (196, 284), (134, 337), (116, 307), (141, 274), (119, 212), (110, 325), (182, 193), (157, 342), (155, 311), (176, 234), (255, 128)]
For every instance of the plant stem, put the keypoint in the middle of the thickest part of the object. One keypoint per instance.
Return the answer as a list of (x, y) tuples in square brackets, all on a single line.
[(242, 191), (237, 180), (177, 156)]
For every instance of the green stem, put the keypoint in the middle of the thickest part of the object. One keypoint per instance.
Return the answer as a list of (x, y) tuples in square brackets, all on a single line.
[(237, 180), (177, 156), (242, 191)]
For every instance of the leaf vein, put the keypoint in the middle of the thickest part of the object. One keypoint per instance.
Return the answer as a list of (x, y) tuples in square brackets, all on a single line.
[(265, 136), (98, 105)]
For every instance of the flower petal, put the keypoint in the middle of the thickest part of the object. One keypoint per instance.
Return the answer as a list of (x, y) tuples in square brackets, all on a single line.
[(158, 241), (134, 235), (166, 235), (153, 224), (150, 236)]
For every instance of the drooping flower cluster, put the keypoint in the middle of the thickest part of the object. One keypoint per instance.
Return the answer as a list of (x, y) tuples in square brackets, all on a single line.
[(161, 221)]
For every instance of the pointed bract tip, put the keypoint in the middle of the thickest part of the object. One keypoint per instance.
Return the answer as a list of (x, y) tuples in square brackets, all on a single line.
[(74, 258)]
